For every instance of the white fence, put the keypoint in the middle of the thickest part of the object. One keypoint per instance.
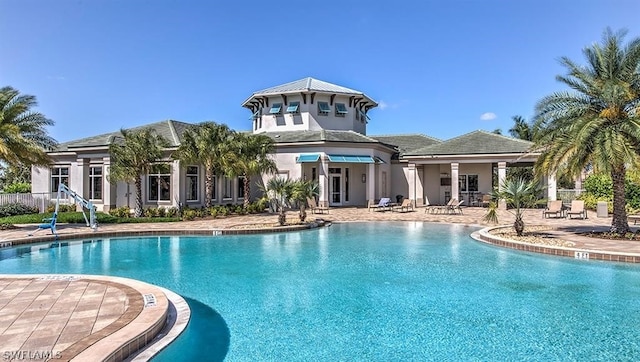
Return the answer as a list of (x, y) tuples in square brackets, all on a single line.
[(40, 200)]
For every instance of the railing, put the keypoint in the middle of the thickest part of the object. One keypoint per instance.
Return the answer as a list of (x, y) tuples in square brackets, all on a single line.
[(39, 199)]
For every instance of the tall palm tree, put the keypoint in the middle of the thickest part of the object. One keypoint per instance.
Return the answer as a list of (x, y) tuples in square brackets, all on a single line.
[(521, 129), (23, 137), (598, 122), (303, 190), (208, 144), (251, 157), (132, 157)]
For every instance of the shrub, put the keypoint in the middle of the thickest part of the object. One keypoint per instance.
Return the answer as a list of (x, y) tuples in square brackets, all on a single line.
[(17, 188), (189, 214), (171, 212), (6, 226), (61, 207), (123, 212), (17, 209)]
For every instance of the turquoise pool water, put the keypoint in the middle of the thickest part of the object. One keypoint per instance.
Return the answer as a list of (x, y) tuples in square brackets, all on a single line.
[(365, 291)]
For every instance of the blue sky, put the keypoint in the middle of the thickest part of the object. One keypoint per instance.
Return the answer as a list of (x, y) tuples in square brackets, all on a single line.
[(441, 68)]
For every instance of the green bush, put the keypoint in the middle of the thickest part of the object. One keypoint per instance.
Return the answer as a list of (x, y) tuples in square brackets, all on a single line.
[(598, 187), (122, 212), (189, 214), (61, 208), (17, 209), (17, 188), (78, 218), (171, 212)]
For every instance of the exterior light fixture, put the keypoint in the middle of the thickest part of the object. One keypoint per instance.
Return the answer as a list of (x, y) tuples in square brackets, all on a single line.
[(364, 178)]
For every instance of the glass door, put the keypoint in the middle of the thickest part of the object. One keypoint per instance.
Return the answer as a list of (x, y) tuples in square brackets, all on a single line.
[(335, 190)]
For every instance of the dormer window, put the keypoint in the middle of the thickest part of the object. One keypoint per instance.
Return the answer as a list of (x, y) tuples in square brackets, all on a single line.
[(341, 109), (293, 107), (275, 108), (323, 108)]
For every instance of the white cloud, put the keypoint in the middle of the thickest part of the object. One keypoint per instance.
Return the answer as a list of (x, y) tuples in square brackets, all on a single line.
[(382, 105), (488, 116)]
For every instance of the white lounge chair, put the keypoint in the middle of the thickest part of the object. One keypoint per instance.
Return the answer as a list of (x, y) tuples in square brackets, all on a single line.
[(383, 205)]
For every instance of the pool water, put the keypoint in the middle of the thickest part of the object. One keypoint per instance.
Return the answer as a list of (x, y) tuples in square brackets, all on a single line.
[(369, 291)]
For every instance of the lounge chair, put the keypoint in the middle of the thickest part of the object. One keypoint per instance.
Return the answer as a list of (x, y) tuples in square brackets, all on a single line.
[(456, 207), (634, 217), (315, 208), (554, 208), (406, 206), (443, 208), (48, 223), (383, 205), (577, 209)]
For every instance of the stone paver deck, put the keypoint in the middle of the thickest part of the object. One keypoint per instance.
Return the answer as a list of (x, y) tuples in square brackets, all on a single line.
[(61, 315)]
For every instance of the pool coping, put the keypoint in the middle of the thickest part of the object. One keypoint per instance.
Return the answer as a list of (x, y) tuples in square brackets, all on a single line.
[(137, 327), (485, 236)]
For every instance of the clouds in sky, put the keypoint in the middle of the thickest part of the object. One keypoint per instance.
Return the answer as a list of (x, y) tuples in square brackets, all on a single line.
[(382, 105), (488, 116)]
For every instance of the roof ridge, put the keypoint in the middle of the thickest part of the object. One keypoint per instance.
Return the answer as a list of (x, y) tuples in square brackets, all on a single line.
[(504, 136), (174, 134), (407, 134)]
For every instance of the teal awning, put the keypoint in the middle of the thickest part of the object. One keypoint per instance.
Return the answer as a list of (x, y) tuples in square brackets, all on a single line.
[(308, 158), (351, 159)]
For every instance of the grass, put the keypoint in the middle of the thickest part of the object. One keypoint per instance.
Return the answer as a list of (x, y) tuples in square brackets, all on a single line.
[(77, 218)]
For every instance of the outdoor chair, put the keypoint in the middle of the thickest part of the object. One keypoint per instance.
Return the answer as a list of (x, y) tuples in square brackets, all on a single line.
[(443, 208), (383, 205), (577, 209), (554, 208), (406, 206), (315, 208), (456, 208), (486, 200)]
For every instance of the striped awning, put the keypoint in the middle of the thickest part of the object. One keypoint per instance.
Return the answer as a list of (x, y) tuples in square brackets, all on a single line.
[(314, 157), (351, 159)]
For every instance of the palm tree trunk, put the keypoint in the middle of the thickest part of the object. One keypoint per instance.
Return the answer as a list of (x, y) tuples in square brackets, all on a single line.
[(518, 225), (303, 211), (282, 217), (208, 187), (247, 192), (138, 211), (619, 224)]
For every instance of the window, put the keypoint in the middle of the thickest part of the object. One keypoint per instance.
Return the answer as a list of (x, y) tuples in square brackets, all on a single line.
[(276, 108), (323, 108), (95, 183), (192, 183), (214, 188), (313, 174), (468, 183), (59, 175), (341, 109), (293, 107), (241, 188), (227, 188), (346, 184), (159, 183)]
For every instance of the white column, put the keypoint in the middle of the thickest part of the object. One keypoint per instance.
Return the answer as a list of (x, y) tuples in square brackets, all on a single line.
[(371, 181), (79, 173), (552, 187), (176, 184), (410, 175), (107, 200), (420, 197), (502, 175), (323, 180), (454, 180)]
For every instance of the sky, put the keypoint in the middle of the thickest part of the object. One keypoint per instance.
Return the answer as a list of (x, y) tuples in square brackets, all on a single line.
[(437, 67)]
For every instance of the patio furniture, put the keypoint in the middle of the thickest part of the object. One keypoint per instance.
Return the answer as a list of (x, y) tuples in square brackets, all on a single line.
[(406, 206), (456, 208), (315, 208), (486, 200), (443, 208), (635, 218), (383, 205), (554, 209), (577, 209)]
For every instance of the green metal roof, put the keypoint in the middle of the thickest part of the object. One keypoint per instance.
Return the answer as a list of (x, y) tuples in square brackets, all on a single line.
[(476, 142)]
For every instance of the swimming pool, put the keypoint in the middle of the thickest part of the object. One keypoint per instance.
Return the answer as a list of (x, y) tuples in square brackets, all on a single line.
[(370, 291)]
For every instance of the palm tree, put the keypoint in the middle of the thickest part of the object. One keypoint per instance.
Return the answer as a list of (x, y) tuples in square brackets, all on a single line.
[(303, 190), (23, 138), (207, 144), (519, 195), (279, 191), (521, 129), (133, 157), (251, 157), (597, 123)]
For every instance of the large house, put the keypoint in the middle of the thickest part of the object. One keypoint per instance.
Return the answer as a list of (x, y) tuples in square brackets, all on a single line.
[(320, 133)]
